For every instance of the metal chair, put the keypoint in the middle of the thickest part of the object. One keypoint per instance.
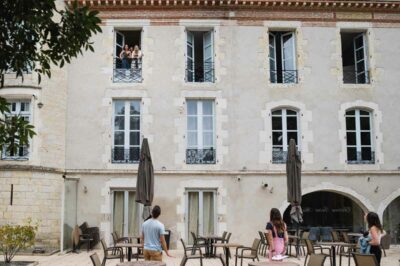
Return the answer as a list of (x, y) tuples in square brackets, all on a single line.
[(385, 243), (311, 250), (199, 242), (253, 252), (187, 257), (317, 260), (95, 259), (365, 259), (335, 236), (263, 245), (111, 253)]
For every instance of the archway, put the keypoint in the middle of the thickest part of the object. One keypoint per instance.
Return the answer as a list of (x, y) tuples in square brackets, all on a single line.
[(328, 208), (391, 220)]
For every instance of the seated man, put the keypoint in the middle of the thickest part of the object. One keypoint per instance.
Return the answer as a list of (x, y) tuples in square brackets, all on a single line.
[(153, 237)]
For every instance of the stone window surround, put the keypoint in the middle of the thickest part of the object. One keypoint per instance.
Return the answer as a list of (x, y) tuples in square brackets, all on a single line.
[(181, 126), (33, 95), (146, 120), (306, 135), (221, 209), (376, 131), (373, 73), (294, 26)]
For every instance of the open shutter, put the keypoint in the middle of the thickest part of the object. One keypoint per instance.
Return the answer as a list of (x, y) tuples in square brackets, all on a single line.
[(272, 58), (208, 58), (119, 46), (360, 60), (289, 73), (190, 57)]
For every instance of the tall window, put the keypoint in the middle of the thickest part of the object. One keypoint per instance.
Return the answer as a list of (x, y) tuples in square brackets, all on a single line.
[(200, 213), (126, 131), (282, 57), (20, 108), (354, 58), (126, 212), (285, 126), (200, 56), (127, 62), (359, 137), (200, 132)]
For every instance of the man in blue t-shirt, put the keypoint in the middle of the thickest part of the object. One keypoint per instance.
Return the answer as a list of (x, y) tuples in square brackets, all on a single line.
[(153, 237)]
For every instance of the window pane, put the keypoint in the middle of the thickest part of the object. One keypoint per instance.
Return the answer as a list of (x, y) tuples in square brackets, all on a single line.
[(291, 112), (24, 107), (134, 138), (192, 107), (360, 54), (208, 107), (291, 122), (119, 123), (364, 112), (365, 138), (192, 139), (119, 107), (192, 123), (350, 123), (277, 138), (276, 123), (208, 139), (119, 138), (119, 154), (366, 154), (13, 107), (292, 135), (135, 123), (135, 108), (351, 138), (351, 112), (208, 123), (360, 67), (359, 41), (277, 112), (134, 154), (351, 154)]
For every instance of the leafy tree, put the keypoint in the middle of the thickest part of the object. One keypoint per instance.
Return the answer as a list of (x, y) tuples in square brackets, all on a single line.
[(35, 35)]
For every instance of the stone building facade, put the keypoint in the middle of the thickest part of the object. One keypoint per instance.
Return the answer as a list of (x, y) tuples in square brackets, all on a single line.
[(221, 88)]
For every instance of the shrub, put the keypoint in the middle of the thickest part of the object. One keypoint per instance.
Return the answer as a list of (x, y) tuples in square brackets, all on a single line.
[(16, 237)]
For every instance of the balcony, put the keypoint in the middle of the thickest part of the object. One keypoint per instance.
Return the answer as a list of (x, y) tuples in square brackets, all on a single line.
[(283, 76), (122, 155), (21, 154), (280, 157), (130, 73), (353, 77), (363, 158), (200, 73), (200, 156)]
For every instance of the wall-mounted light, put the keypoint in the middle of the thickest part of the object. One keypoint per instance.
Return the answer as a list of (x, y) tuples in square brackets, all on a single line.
[(368, 179), (264, 185), (325, 168), (238, 178), (163, 168), (244, 168), (376, 189), (85, 190), (40, 105)]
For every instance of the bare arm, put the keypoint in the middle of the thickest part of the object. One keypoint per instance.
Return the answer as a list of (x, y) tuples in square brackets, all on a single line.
[(270, 240), (164, 245), (142, 239)]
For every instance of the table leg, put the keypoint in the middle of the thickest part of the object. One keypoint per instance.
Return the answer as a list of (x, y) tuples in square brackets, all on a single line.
[(333, 251), (129, 253), (227, 256)]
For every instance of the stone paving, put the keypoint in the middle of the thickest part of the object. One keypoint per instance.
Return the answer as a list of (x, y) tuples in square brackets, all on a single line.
[(82, 259)]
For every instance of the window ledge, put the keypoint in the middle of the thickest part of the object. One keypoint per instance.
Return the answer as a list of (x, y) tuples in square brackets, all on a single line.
[(283, 85), (356, 86), (21, 159)]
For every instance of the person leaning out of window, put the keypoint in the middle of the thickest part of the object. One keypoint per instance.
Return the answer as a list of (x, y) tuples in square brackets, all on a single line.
[(136, 56), (277, 234), (125, 57)]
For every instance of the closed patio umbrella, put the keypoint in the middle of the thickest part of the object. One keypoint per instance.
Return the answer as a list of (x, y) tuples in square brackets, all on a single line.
[(293, 173), (145, 179)]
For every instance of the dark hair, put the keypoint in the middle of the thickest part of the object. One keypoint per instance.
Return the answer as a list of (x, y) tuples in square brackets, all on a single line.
[(373, 220), (276, 219), (155, 212)]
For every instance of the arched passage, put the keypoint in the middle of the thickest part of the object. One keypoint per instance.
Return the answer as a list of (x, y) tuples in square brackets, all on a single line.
[(327, 208), (391, 220)]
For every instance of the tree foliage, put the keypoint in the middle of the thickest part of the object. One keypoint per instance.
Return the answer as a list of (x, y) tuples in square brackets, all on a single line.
[(16, 237), (34, 36)]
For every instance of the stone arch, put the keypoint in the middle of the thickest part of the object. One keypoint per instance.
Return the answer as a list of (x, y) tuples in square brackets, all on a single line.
[(362, 201), (386, 202)]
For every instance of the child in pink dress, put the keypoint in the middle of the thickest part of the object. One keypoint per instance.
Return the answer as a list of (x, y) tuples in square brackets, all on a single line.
[(277, 234)]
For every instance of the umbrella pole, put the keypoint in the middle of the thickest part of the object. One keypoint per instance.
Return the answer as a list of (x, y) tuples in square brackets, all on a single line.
[(297, 234)]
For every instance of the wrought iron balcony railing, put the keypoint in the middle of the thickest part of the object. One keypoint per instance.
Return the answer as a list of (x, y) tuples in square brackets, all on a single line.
[(22, 153), (200, 156), (203, 73), (127, 72), (122, 155), (281, 156), (361, 160), (283, 76), (353, 77)]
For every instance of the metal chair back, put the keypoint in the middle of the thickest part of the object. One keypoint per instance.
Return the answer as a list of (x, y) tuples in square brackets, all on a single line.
[(228, 237), (255, 246), (317, 260), (115, 239), (262, 237), (365, 259), (335, 236), (95, 259), (309, 246), (104, 245), (184, 247), (346, 238), (305, 235), (224, 235), (385, 241)]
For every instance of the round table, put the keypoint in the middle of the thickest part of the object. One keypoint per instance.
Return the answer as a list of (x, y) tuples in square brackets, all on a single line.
[(273, 263), (142, 263)]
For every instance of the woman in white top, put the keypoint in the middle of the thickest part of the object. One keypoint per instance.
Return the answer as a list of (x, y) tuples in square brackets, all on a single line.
[(136, 56), (375, 232)]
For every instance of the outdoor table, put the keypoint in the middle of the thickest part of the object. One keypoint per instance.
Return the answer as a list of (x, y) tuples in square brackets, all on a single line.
[(333, 246), (129, 246), (273, 263), (210, 240), (142, 263), (226, 246)]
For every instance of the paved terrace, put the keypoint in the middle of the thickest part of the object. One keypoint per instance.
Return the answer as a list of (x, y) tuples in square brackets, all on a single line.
[(82, 259)]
